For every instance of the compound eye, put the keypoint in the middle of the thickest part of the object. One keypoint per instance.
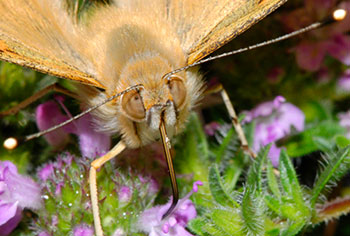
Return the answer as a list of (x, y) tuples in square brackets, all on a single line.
[(178, 91), (132, 105)]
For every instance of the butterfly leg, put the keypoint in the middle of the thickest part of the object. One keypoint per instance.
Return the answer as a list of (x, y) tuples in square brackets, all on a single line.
[(233, 117), (54, 87), (95, 165)]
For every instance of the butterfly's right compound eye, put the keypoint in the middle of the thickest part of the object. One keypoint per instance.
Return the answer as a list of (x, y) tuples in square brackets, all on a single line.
[(178, 91), (132, 105)]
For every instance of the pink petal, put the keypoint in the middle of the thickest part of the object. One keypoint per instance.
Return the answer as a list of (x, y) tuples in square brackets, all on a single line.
[(310, 55), (344, 81), (152, 223), (46, 171), (10, 216), (7, 211), (264, 109), (274, 120), (124, 194), (274, 155), (339, 48), (291, 116), (48, 115), (44, 233), (91, 142), (83, 230), (20, 188), (211, 128)]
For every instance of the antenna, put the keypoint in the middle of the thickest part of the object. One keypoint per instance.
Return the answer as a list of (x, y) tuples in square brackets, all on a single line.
[(11, 143), (337, 15)]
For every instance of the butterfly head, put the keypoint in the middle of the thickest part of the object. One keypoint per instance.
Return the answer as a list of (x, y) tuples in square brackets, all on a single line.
[(137, 114), (146, 108)]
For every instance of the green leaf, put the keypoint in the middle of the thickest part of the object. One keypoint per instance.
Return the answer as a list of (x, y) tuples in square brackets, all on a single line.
[(290, 211), (272, 180), (342, 141), (217, 188), (212, 230), (252, 213), (192, 152), (196, 225), (331, 171), (254, 178), (273, 203), (228, 221), (294, 228), (232, 173), (273, 232), (225, 143), (290, 183), (250, 132), (309, 140), (315, 110), (323, 144)]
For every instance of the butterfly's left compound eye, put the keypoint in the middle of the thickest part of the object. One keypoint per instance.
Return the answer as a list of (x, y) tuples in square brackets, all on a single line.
[(177, 90), (132, 105)]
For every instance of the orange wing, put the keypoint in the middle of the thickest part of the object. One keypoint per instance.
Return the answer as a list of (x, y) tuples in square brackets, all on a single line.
[(40, 35), (206, 25), (203, 26)]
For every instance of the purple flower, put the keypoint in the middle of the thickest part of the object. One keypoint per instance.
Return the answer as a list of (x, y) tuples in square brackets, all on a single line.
[(211, 128), (153, 186), (59, 188), (343, 84), (16, 192), (152, 223), (339, 48), (124, 194), (83, 230), (48, 115), (44, 233), (119, 232), (264, 109), (344, 121), (274, 120), (46, 171), (92, 143)]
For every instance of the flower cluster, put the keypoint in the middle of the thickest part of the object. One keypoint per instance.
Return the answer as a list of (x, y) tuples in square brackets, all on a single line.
[(16, 193), (66, 194), (274, 120)]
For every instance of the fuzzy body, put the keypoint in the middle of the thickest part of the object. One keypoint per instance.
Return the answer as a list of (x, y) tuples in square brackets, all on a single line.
[(129, 46)]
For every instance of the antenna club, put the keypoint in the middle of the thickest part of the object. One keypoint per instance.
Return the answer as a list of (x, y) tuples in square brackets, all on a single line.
[(339, 14), (10, 143)]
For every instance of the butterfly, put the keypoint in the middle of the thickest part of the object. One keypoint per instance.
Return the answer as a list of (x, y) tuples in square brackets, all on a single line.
[(119, 54)]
